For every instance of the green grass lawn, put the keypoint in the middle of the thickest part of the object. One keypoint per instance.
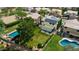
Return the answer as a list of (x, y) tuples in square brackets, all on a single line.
[(53, 45), (37, 38)]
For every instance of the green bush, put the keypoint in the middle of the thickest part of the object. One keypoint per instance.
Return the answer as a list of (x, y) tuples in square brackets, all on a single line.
[(40, 45), (11, 13)]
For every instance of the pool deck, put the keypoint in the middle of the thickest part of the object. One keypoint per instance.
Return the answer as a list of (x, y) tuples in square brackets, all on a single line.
[(6, 36)]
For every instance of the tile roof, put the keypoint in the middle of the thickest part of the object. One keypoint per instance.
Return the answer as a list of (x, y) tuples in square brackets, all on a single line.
[(34, 15), (8, 19), (72, 24)]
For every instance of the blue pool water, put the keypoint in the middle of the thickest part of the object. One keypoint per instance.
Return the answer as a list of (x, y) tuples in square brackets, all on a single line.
[(65, 43), (14, 34)]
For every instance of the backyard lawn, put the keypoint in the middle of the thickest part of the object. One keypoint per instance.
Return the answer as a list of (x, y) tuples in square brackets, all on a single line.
[(53, 45), (37, 38)]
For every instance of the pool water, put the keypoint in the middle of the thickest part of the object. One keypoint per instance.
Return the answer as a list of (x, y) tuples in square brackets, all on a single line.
[(14, 34), (65, 43)]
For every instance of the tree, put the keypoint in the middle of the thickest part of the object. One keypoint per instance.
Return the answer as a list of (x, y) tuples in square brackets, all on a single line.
[(25, 28), (2, 26), (20, 13), (40, 45), (7, 11), (63, 10), (33, 10), (43, 12), (19, 9), (59, 24), (11, 11), (4, 11)]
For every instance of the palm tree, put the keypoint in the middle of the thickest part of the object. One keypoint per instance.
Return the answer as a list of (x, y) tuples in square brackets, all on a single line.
[(59, 27), (63, 10), (59, 24), (40, 20)]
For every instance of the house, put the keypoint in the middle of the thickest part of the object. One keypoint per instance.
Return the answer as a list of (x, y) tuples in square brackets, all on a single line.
[(38, 9), (72, 27), (43, 8), (30, 9), (46, 9), (35, 16), (8, 19), (71, 14), (57, 12), (49, 24)]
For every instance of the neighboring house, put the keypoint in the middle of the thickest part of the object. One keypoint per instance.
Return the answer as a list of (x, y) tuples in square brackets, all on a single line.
[(8, 19), (71, 14), (30, 9), (1, 8), (35, 16), (44, 8), (49, 24), (38, 9), (57, 12), (71, 27)]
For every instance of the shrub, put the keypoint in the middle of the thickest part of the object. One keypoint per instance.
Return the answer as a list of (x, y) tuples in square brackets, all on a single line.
[(40, 45)]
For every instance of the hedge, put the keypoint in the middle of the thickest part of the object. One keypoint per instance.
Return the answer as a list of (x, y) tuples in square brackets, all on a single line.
[(13, 23)]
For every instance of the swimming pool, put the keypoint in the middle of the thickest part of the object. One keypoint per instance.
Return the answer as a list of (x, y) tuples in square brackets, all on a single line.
[(65, 42), (13, 34)]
